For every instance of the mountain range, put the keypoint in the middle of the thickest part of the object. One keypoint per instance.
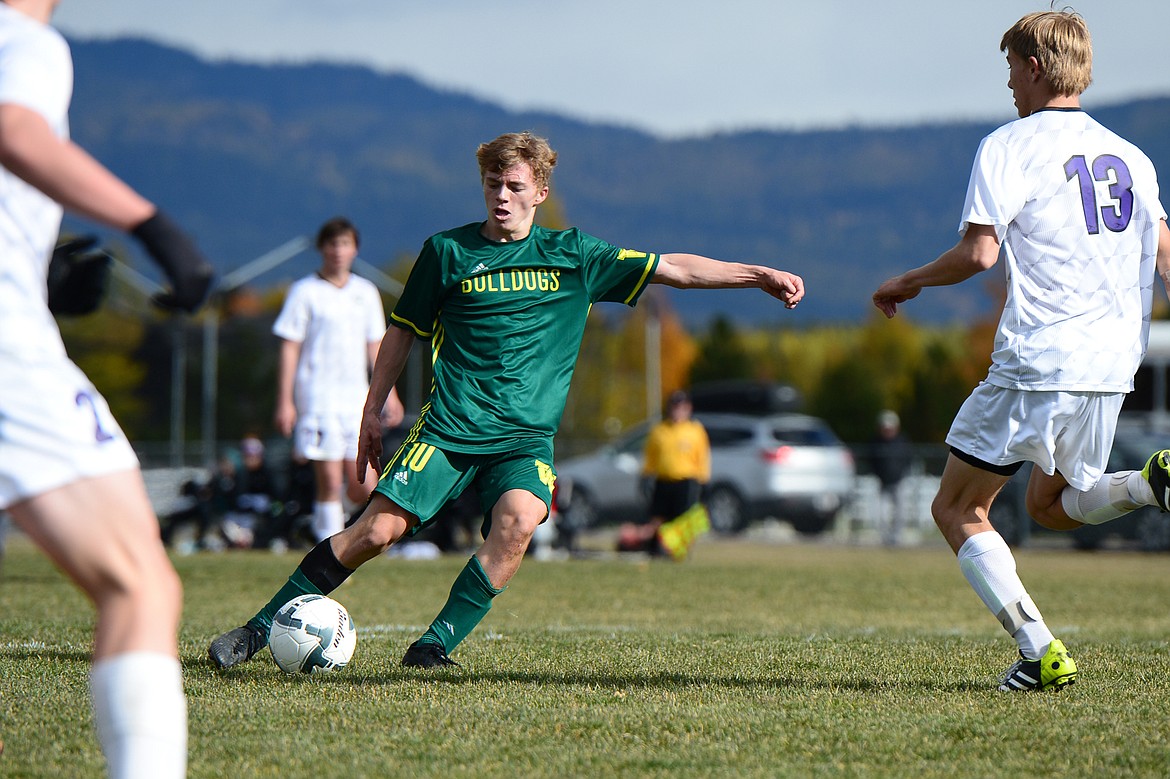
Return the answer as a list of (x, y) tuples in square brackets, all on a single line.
[(247, 156)]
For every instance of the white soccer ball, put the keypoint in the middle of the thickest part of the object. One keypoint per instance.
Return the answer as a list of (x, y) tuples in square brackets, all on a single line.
[(312, 633)]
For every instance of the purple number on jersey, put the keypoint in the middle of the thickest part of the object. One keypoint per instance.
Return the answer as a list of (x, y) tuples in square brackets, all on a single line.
[(1106, 168)]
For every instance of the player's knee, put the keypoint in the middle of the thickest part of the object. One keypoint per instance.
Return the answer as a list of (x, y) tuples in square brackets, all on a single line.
[(151, 584), (376, 531), (945, 514), (517, 526)]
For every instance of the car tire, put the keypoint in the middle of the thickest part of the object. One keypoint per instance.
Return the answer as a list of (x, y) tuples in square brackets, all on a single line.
[(726, 510), (579, 514)]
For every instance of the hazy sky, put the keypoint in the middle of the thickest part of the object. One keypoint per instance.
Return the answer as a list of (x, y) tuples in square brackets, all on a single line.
[(673, 67)]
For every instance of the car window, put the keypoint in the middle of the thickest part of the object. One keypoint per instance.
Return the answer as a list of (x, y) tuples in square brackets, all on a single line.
[(804, 436), (728, 436)]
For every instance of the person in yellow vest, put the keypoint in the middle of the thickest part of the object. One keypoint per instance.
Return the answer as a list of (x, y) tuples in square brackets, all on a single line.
[(678, 461)]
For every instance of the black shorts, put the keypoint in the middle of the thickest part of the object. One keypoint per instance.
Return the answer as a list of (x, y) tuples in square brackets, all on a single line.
[(1000, 470), (671, 498)]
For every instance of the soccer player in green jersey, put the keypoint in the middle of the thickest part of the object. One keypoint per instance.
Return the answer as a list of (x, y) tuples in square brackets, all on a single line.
[(503, 303)]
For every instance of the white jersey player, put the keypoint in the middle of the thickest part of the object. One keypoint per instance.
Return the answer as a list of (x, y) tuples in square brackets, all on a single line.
[(330, 328), (1075, 210), (68, 477)]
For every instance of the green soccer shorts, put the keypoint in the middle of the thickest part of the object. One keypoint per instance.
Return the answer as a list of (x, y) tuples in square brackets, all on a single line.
[(422, 478)]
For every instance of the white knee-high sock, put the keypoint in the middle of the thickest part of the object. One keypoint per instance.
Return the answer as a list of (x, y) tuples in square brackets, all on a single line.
[(1115, 495), (328, 519), (141, 715), (990, 569)]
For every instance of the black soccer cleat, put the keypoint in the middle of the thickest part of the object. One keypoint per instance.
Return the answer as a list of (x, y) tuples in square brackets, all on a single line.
[(420, 655), (236, 646)]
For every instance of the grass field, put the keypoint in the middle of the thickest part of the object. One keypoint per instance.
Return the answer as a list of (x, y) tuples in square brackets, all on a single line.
[(747, 660)]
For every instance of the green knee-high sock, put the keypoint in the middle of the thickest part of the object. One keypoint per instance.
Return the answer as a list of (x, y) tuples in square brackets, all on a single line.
[(469, 601), (319, 573)]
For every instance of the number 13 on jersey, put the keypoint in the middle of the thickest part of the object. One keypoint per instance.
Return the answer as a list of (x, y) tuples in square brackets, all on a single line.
[(1106, 168)]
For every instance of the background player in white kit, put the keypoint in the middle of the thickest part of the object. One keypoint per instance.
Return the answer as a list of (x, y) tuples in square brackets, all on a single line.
[(1075, 209), (68, 476), (330, 328)]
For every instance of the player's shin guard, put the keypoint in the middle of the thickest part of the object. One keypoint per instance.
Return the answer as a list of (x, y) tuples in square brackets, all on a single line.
[(990, 569), (319, 573), (1108, 499), (469, 602)]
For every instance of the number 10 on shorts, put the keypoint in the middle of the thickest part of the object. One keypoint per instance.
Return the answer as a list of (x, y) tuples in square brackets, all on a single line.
[(417, 456)]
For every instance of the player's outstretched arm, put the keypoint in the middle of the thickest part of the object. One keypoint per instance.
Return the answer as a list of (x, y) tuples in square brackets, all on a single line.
[(975, 252), (68, 174), (692, 271), (392, 354)]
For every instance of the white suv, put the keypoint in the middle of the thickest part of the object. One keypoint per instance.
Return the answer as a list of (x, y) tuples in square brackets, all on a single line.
[(789, 466)]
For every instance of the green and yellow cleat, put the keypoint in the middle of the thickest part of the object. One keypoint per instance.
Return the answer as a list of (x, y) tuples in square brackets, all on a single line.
[(1055, 671), (1157, 473)]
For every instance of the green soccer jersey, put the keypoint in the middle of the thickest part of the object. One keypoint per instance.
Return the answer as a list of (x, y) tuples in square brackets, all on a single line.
[(505, 321)]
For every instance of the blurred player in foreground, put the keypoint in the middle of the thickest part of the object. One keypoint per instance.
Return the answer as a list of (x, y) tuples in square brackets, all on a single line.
[(68, 476), (503, 304), (1075, 210)]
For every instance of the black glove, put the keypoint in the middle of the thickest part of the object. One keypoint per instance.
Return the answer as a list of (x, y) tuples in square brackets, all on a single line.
[(79, 275), (189, 271)]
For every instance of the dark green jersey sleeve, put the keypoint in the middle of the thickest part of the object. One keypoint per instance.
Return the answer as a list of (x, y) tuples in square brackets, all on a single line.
[(418, 307), (614, 275)]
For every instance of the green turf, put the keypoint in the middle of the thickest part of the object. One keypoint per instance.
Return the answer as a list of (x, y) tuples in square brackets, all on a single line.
[(747, 660)]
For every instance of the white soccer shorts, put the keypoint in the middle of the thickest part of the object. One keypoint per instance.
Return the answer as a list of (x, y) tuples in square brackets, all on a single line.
[(327, 437), (54, 429), (1069, 432)]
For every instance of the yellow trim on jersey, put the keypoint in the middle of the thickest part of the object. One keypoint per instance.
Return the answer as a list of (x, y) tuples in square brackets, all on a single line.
[(411, 437), (437, 340), (420, 332), (645, 275)]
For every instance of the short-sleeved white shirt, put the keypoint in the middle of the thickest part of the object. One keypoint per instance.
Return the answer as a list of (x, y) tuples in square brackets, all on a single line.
[(55, 427), (335, 326), (1076, 209), (36, 72)]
